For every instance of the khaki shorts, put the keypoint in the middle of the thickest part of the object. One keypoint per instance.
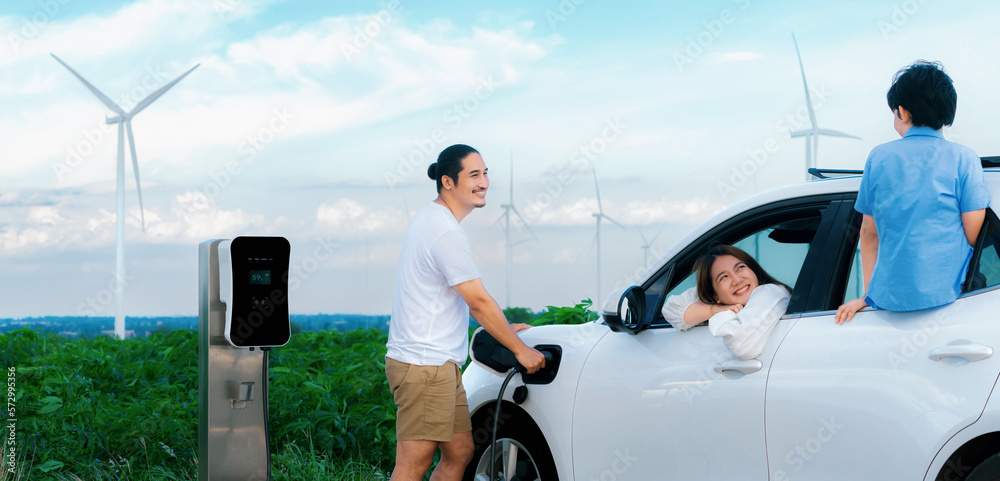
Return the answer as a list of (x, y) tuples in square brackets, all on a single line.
[(430, 400)]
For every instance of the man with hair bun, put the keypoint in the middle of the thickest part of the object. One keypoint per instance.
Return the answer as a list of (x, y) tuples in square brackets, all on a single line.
[(437, 287), (922, 198)]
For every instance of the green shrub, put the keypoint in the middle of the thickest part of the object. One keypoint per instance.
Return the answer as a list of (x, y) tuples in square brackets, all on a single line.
[(578, 314)]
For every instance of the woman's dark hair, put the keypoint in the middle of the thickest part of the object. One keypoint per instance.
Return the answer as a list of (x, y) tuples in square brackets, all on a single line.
[(926, 91), (449, 163), (703, 264)]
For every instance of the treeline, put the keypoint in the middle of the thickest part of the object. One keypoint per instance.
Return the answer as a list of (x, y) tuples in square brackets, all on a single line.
[(87, 327)]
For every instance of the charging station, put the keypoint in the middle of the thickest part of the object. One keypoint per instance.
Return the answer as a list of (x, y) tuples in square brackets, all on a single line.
[(242, 313)]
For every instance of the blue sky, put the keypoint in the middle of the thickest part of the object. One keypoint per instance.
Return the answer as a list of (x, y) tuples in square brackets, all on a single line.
[(316, 120)]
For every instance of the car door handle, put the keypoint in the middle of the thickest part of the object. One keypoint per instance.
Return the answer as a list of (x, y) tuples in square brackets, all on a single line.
[(972, 352), (746, 367)]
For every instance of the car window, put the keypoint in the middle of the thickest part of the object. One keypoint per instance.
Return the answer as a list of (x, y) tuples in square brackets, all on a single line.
[(780, 249), (855, 283), (984, 270)]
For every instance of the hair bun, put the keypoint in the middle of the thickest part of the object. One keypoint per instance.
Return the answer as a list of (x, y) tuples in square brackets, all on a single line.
[(432, 171)]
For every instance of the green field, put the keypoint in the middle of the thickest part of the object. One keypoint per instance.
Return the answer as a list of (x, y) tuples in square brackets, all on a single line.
[(106, 409)]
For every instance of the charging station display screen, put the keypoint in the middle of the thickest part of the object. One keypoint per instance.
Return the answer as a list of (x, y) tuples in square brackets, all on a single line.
[(260, 277), (260, 292)]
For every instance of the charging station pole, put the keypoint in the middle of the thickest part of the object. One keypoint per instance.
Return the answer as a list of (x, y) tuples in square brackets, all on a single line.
[(232, 442)]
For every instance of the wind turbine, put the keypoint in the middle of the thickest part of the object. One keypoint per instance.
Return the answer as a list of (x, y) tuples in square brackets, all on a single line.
[(646, 244), (508, 208), (597, 238), (814, 132), (124, 121)]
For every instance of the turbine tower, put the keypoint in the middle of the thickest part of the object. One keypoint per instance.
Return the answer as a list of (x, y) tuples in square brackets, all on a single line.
[(508, 208), (597, 238), (124, 121), (812, 134), (646, 244)]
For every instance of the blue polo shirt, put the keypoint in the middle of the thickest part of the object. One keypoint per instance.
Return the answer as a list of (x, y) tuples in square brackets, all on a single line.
[(916, 189)]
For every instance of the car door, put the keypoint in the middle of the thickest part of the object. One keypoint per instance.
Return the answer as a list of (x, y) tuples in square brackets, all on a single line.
[(670, 404), (876, 398)]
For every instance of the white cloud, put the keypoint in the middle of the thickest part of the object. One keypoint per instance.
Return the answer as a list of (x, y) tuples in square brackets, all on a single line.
[(192, 218), (690, 211), (346, 216), (46, 214), (636, 212)]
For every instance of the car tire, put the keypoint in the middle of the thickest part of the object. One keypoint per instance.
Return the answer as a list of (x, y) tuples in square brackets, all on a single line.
[(988, 470), (517, 435)]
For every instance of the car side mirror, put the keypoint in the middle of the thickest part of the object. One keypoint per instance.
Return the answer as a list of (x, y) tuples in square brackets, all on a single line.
[(631, 313)]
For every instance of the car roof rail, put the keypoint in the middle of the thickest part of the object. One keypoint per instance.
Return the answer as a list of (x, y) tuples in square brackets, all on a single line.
[(992, 161), (821, 173)]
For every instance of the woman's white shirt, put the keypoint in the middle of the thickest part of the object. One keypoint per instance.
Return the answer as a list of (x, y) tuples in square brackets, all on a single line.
[(675, 306), (745, 333)]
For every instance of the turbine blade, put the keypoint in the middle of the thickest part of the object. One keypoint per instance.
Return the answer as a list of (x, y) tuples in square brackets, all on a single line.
[(155, 95), (836, 133), (651, 241), (526, 226), (135, 170), (100, 95), (502, 217), (801, 133), (597, 188), (613, 221), (809, 104)]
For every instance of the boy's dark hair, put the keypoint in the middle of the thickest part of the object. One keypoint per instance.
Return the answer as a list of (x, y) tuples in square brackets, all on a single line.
[(926, 91), (449, 163)]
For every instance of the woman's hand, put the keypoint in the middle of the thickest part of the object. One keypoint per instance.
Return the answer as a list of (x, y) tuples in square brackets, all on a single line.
[(717, 308), (846, 312)]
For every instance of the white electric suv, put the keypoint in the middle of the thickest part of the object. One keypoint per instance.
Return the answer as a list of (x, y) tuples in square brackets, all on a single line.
[(888, 396)]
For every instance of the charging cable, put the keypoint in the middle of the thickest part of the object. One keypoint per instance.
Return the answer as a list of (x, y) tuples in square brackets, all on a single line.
[(267, 424), (496, 417)]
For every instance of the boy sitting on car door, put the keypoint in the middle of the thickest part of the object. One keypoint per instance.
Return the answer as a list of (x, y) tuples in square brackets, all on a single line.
[(923, 201)]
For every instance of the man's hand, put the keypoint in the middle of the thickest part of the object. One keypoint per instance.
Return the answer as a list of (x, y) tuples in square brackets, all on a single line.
[(531, 359), (846, 312), (519, 326)]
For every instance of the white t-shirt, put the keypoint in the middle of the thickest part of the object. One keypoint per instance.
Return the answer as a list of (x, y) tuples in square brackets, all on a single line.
[(430, 321)]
